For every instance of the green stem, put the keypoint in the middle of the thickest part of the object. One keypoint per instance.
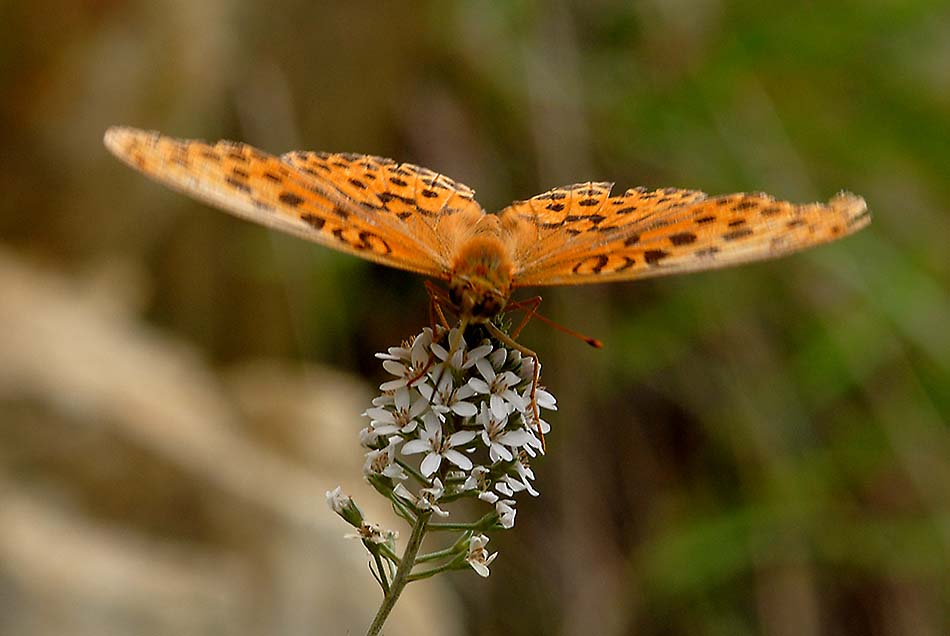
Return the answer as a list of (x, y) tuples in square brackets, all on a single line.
[(383, 583), (455, 526), (402, 573), (451, 565), (439, 554), (419, 477), (403, 510), (485, 523), (389, 554)]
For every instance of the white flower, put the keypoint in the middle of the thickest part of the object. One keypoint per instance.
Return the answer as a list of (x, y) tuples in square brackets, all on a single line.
[(488, 496), (460, 359), (445, 399), (498, 357), (432, 441), (385, 398), (396, 353), (534, 445), (499, 386), (427, 499), (496, 438), (524, 469), (478, 480), (374, 533), (368, 437), (383, 461), (526, 370), (409, 366), (400, 417), (544, 399), (344, 506), (337, 500), (509, 484), (506, 513), (476, 477), (478, 556), (517, 485)]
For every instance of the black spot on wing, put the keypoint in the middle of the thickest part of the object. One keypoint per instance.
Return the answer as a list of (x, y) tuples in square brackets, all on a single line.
[(596, 264), (313, 221), (238, 184), (682, 238), (629, 262), (289, 198), (737, 234)]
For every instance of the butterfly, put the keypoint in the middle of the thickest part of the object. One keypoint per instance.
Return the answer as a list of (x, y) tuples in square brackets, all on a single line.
[(415, 219)]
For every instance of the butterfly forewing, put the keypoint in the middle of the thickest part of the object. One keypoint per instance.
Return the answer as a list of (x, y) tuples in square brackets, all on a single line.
[(263, 188), (402, 189), (414, 197), (674, 231)]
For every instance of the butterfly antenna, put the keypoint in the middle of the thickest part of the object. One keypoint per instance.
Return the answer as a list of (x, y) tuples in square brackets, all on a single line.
[(594, 342)]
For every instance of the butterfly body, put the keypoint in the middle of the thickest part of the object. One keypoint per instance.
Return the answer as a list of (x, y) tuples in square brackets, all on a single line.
[(480, 282), (415, 219)]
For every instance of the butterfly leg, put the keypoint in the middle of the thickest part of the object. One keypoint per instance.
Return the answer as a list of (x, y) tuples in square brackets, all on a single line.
[(437, 298), (530, 306), (506, 340)]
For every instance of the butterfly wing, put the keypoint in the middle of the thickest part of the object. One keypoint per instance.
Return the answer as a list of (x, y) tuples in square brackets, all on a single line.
[(580, 234), (343, 206)]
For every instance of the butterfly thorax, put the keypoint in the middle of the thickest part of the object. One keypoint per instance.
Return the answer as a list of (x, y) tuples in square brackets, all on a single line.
[(480, 282)]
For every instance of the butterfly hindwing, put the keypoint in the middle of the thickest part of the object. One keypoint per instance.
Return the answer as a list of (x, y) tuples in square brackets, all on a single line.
[(580, 217)]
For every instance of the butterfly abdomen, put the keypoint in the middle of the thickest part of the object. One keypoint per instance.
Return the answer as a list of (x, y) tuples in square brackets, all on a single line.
[(480, 281)]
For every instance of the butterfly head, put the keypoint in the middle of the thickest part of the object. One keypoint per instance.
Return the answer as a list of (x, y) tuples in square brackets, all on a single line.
[(480, 282)]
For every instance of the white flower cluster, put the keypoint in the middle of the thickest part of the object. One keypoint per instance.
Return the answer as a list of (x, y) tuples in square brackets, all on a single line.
[(467, 411)]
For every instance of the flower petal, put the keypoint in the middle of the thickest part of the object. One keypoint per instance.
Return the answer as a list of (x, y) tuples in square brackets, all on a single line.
[(498, 452), (499, 408), (464, 409), (377, 414), (458, 459), (462, 437), (414, 446), (430, 464), (479, 386), (392, 384), (485, 368)]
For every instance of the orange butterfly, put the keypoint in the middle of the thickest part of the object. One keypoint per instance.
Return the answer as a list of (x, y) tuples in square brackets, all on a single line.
[(414, 219)]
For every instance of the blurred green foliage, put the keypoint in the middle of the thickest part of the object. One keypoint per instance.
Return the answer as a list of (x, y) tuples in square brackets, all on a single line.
[(759, 450)]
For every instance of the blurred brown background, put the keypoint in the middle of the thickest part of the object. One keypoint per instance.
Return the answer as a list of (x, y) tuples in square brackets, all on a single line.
[(756, 451)]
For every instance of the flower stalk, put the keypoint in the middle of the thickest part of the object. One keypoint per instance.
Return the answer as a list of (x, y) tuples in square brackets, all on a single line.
[(402, 575)]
